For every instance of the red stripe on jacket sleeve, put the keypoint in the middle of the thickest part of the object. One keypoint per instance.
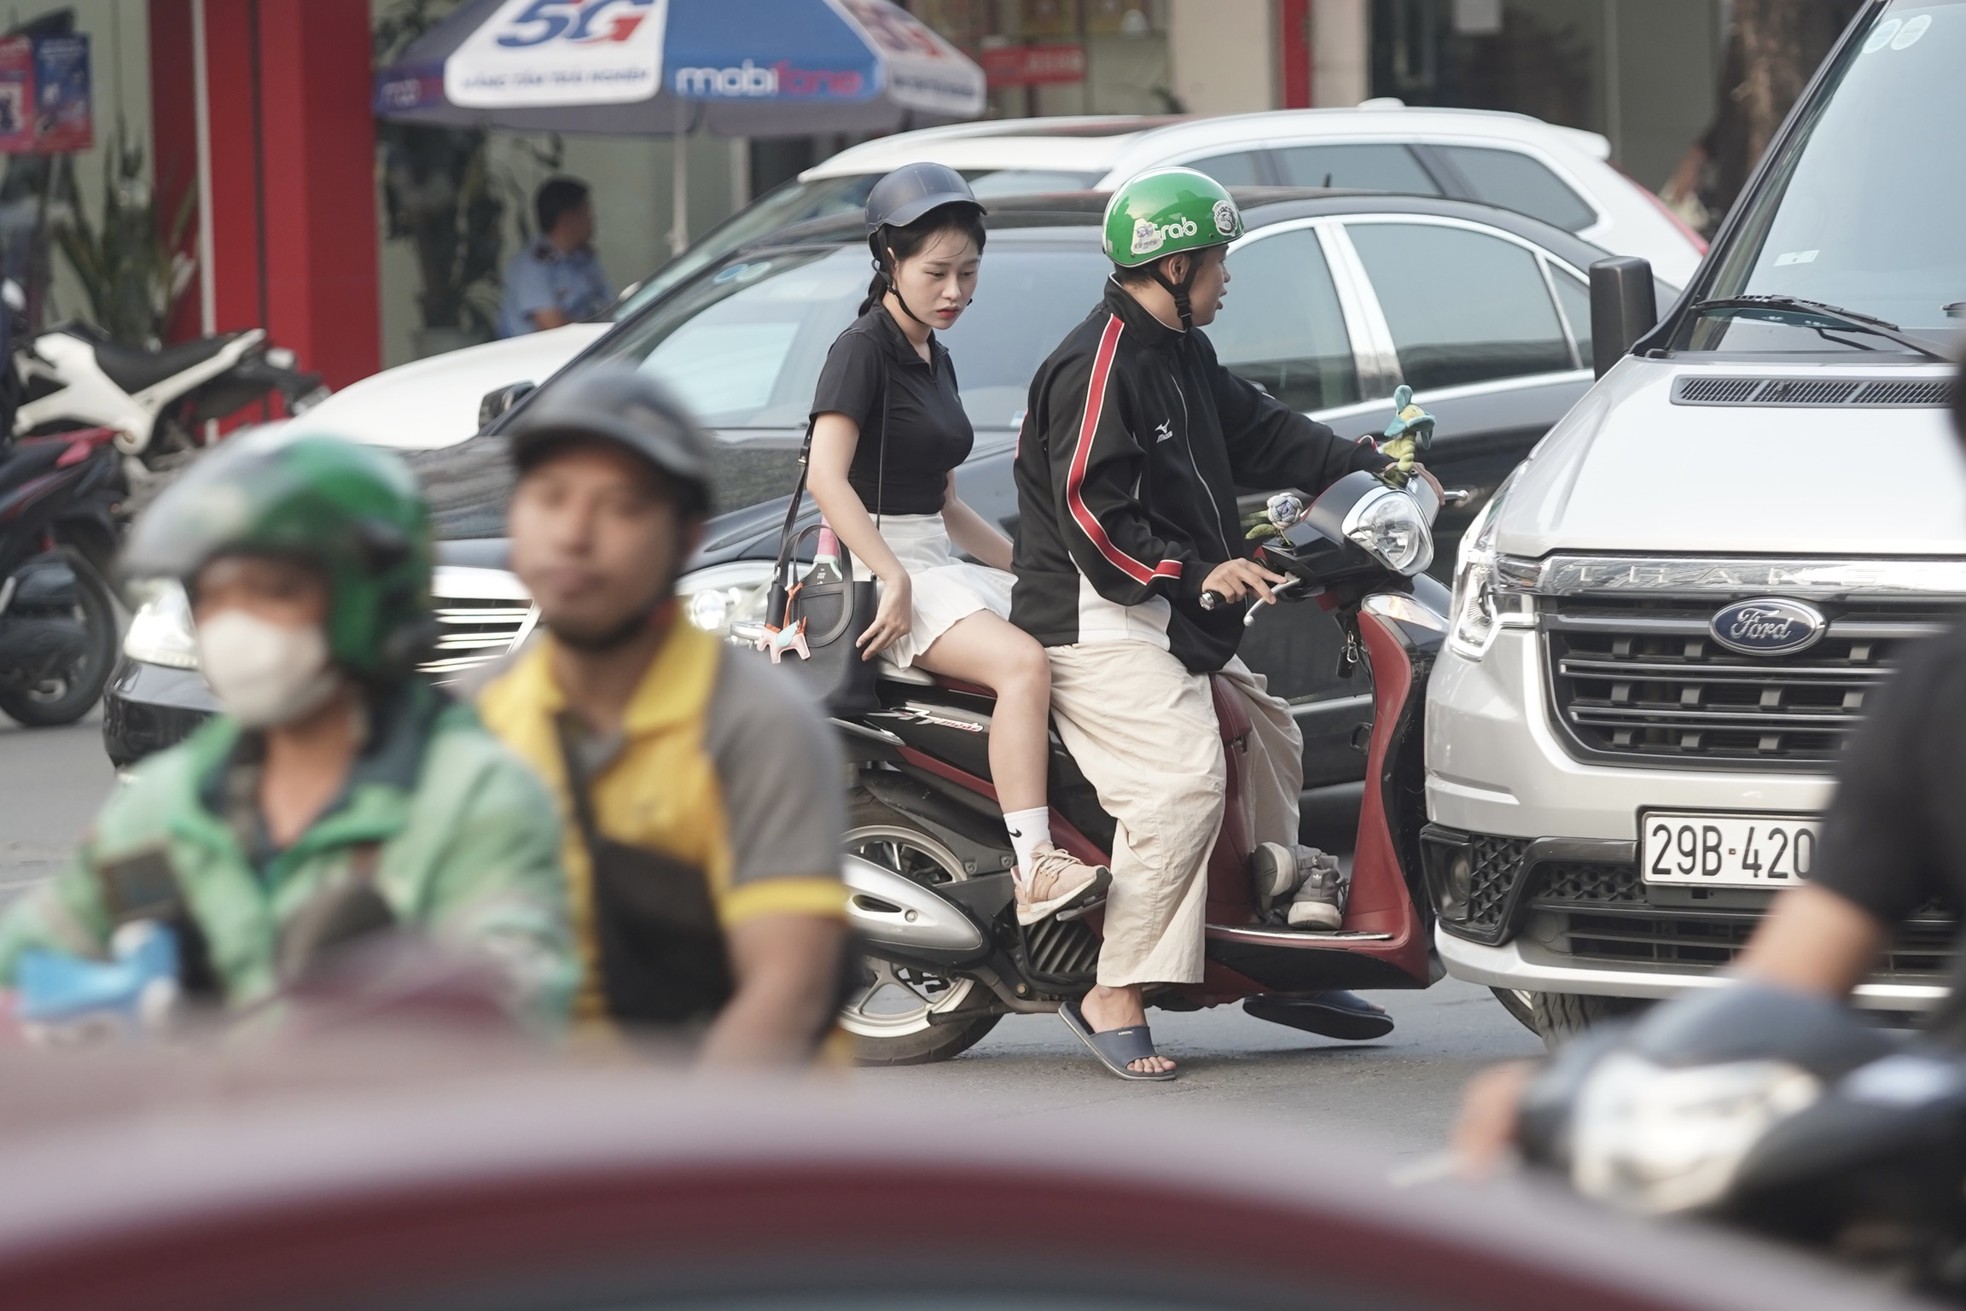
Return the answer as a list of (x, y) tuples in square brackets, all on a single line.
[(1095, 404)]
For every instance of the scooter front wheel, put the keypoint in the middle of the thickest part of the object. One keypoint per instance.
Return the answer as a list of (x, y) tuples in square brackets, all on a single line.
[(901, 1014)]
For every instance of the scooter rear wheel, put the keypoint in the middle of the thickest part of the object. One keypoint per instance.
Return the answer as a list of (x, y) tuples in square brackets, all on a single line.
[(66, 697), (896, 1018)]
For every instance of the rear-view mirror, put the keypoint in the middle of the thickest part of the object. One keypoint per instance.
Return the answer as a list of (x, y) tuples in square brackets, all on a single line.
[(1624, 308), (497, 403)]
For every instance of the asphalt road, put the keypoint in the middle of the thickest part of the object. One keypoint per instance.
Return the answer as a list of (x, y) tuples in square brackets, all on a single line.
[(1397, 1094)]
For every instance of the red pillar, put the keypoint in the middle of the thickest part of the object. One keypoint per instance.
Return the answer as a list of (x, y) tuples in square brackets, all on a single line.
[(1294, 48), (174, 129), (290, 154)]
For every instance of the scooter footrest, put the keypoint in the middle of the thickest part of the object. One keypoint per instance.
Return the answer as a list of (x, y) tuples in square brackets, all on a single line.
[(1057, 953)]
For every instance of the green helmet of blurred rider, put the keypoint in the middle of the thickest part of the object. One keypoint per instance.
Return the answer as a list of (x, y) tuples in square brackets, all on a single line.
[(1165, 212), (1169, 211), (352, 511)]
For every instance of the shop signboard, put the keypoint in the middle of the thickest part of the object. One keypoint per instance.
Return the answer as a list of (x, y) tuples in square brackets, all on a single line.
[(45, 102), (64, 118), (1032, 65), (16, 95)]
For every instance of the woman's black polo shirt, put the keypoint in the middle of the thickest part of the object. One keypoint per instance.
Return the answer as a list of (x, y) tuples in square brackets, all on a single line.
[(874, 377)]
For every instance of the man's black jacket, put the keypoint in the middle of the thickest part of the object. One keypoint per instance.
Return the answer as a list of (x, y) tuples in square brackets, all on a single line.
[(1135, 443)]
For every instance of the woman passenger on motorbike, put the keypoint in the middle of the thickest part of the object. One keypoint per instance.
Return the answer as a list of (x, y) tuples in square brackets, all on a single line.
[(888, 433)]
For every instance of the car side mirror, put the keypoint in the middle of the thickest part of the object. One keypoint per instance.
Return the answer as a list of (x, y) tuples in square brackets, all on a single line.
[(1624, 308), (497, 403)]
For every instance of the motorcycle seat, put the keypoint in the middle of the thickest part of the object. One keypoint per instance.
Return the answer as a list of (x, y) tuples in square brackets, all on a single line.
[(1231, 710), (133, 369), (893, 673)]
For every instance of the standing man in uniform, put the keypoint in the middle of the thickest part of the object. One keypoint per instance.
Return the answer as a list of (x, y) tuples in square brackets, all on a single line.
[(557, 279)]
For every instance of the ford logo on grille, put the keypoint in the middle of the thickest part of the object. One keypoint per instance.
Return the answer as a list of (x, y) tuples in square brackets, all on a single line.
[(1771, 626)]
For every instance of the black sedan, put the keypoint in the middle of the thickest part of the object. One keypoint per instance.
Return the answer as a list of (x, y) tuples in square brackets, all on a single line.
[(1336, 299)]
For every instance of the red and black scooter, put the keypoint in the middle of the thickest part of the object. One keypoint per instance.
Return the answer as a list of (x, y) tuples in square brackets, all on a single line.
[(928, 863)]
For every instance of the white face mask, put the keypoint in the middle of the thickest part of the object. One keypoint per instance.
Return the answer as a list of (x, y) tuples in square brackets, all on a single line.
[(265, 674)]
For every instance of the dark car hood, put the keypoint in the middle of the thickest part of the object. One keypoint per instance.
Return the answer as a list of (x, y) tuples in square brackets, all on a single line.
[(747, 469)]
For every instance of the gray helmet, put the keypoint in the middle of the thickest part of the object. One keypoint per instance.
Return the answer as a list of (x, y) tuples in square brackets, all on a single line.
[(619, 404), (912, 191)]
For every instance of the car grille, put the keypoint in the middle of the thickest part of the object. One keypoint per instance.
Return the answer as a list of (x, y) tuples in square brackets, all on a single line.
[(1496, 862), (473, 631), (1644, 681), (1600, 913)]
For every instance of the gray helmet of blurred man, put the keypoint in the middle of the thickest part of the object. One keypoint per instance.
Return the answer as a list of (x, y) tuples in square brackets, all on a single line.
[(618, 404)]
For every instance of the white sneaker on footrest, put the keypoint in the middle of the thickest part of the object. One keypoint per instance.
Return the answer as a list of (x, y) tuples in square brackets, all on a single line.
[(1058, 880)]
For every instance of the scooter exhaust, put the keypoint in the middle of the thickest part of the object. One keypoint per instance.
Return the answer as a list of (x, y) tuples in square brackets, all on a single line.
[(898, 916)]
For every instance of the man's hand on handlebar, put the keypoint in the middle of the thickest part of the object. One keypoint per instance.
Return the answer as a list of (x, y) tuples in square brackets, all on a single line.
[(1233, 580)]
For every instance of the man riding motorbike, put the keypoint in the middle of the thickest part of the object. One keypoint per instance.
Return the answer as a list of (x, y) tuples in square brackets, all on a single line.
[(1135, 443), (705, 791), (339, 794)]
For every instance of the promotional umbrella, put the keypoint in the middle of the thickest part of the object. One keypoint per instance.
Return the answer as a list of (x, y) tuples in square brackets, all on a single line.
[(672, 67)]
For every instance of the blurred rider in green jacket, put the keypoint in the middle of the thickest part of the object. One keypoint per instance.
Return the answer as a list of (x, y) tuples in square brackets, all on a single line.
[(340, 794)]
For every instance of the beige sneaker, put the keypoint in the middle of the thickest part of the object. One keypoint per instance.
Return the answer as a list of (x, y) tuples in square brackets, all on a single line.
[(1056, 881)]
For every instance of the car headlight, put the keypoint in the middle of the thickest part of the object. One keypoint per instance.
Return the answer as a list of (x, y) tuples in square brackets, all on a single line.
[(1392, 529), (1660, 1140), (1491, 591), (723, 596), (161, 632)]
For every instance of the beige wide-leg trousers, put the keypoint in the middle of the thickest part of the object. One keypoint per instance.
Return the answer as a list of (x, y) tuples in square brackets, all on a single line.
[(1143, 730)]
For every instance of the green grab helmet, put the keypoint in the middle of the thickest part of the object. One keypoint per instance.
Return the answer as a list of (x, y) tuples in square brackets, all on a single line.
[(1167, 211), (353, 511)]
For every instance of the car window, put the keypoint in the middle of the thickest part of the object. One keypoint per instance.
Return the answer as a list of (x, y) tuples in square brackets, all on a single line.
[(780, 208), (1573, 297), (988, 183), (1281, 325), (1513, 180), (1463, 306), (1244, 168), (1365, 167), (743, 347), (801, 202)]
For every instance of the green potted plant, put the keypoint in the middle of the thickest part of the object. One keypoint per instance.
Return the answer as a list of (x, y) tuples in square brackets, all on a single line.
[(131, 266)]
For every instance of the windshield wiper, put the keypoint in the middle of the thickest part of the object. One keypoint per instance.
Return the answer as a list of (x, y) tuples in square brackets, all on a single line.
[(1785, 309)]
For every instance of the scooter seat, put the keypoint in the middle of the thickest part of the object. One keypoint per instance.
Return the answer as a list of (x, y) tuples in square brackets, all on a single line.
[(893, 673), (133, 369), (1231, 710)]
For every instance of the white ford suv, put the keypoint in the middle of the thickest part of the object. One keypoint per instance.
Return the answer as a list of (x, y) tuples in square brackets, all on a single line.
[(1669, 619)]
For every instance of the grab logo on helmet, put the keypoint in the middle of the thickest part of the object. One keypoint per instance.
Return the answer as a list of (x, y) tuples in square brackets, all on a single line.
[(1149, 237)]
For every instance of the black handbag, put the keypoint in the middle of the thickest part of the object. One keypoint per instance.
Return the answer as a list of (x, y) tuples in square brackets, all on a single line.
[(815, 627)]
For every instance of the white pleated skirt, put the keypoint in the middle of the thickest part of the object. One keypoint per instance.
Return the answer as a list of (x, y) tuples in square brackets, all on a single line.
[(945, 589)]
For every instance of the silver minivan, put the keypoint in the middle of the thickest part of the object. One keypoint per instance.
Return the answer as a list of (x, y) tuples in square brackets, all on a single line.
[(1669, 619)]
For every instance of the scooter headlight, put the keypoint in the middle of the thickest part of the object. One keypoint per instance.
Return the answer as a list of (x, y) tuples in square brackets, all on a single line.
[(161, 632), (1390, 527), (1661, 1140), (723, 596)]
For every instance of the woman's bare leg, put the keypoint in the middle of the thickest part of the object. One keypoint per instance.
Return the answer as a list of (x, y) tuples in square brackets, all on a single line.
[(982, 648)]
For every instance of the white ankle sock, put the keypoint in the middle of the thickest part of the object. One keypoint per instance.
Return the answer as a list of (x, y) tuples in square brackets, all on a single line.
[(1029, 830)]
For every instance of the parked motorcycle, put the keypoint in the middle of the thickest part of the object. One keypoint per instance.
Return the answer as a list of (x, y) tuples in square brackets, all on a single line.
[(928, 869), (58, 628), (73, 376), (1782, 1113)]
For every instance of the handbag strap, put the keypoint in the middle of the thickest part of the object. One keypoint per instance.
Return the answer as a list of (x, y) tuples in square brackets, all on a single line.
[(577, 794), (789, 537)]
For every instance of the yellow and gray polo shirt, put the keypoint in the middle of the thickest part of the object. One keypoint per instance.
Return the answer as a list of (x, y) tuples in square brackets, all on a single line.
[(721, 764)]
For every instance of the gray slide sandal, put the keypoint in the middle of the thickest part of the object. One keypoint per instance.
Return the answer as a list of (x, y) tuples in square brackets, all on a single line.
[(1115, 1047)]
